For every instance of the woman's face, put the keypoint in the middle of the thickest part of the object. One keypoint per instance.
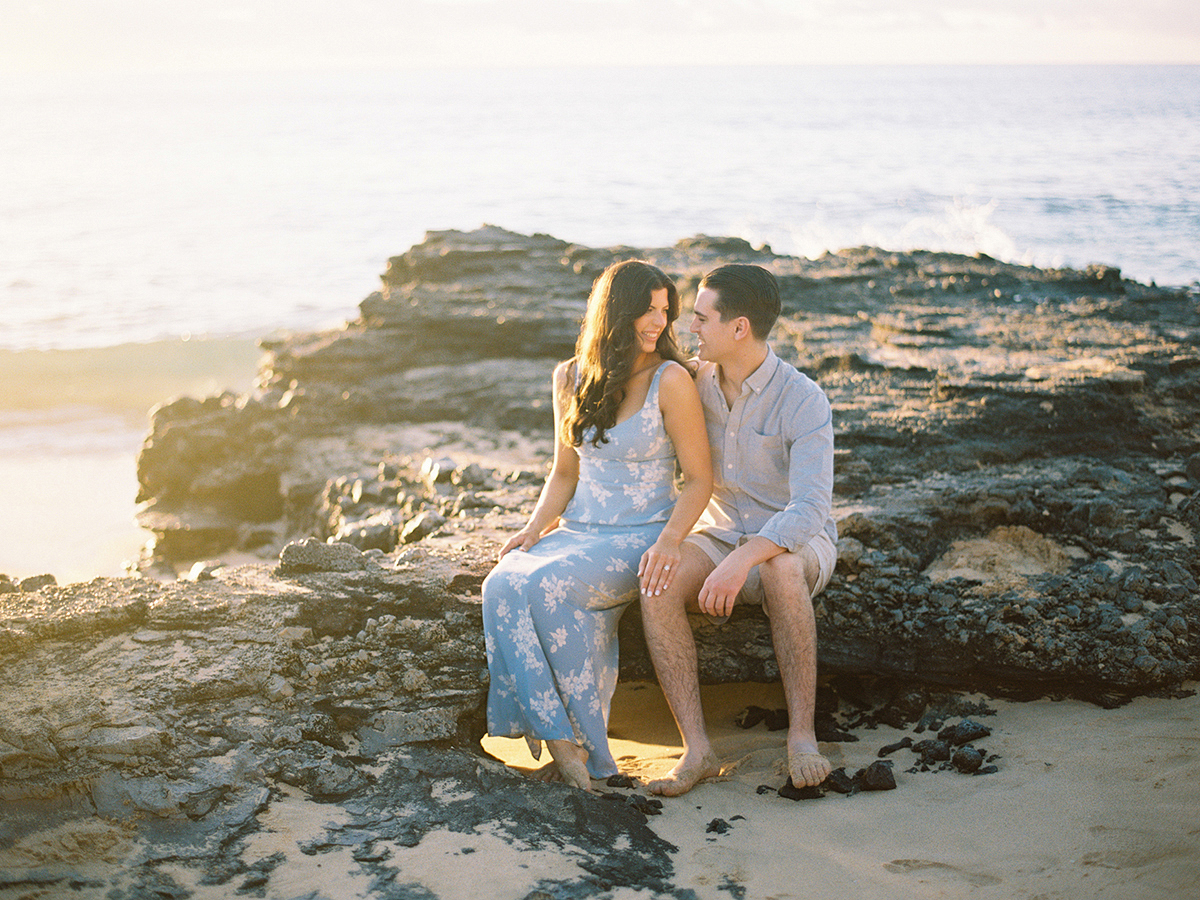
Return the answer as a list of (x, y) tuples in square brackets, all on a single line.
[(650, 324)]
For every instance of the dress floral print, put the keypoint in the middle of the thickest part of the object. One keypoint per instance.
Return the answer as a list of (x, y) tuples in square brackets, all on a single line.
[(550, 614)]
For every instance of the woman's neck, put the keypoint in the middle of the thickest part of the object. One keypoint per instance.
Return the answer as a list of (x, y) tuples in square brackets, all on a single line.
[(644, 361)]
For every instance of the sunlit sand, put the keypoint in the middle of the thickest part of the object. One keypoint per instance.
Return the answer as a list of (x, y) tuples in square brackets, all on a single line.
[(1086, 803)]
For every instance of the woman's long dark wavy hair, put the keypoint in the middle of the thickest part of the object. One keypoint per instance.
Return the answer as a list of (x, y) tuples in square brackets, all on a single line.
[(607, 346)]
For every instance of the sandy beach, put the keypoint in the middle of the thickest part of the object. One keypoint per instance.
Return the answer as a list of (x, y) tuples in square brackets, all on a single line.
[(1086, 802)]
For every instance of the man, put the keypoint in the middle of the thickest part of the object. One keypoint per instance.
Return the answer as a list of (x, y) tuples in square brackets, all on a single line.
[(767, 535)]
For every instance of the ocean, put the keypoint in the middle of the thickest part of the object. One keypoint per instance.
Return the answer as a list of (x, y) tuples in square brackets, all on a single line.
[(153, 226)]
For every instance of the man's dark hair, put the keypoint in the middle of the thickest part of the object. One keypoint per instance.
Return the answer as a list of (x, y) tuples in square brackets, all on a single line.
[(746, 290)]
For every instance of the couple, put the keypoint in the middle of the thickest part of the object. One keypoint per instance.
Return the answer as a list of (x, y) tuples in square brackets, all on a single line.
[(753, 440)]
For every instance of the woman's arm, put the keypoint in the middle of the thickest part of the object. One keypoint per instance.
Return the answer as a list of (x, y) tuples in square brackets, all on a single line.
[(683, 417), (564, 473)]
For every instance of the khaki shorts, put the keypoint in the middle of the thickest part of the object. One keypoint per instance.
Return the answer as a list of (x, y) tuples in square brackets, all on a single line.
[(820, 548)]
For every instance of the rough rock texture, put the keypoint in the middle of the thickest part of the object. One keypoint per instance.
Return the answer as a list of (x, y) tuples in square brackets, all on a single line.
[(151, 736), (1017, 481), (1016, 465)]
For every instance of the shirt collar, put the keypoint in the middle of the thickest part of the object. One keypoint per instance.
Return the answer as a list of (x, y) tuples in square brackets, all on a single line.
[(707, 369), (757, 380)]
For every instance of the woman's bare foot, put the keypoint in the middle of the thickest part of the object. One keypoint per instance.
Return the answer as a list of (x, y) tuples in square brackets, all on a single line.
[(807, 766), (571, 761), (688, 772), (548, 772)]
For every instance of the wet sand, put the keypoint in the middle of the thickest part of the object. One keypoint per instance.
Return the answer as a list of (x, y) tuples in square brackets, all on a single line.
[(70, 506), (71, 425)]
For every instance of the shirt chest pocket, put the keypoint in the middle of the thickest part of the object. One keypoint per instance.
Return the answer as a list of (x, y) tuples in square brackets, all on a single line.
[(764, 463)]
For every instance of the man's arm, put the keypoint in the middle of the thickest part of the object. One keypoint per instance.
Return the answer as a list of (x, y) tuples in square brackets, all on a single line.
[(719, 591), (810, 475), (809, 427)]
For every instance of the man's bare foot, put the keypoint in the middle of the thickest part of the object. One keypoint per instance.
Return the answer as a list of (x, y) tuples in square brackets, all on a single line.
[(571, 761), (806, 766), (687, 773)]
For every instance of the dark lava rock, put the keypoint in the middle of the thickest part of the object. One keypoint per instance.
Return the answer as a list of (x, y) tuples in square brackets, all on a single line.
[(964, 732), (932, 751), (777, 719), (1193, 468), (876, 777), (901, 744), (838, 781), (808, 792), (647, 806), (931, 721), (830, 733), (323, 729), (750, 716), (967, 760), (906, 707), (717, 826)]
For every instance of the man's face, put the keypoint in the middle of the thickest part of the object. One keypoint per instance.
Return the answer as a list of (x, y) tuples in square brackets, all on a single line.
[(715, 337)]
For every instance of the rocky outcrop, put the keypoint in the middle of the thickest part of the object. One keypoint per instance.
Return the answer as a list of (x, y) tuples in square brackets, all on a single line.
[(153, 735), (1017, 493), (1044, 421)]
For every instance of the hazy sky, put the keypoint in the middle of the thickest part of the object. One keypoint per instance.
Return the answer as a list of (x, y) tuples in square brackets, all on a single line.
[(273, 34)]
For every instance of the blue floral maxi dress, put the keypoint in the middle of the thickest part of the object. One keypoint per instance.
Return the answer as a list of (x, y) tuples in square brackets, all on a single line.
[(550, 614)]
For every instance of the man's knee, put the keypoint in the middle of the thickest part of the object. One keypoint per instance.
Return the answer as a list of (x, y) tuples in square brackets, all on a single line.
[(790, 575)]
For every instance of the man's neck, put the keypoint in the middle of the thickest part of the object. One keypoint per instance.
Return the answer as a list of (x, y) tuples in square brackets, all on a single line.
[(734, 371)]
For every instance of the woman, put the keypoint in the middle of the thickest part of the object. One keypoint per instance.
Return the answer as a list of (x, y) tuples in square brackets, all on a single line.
[(607, 523)]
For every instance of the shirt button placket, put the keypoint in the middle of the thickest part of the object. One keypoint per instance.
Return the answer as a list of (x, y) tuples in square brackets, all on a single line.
[(731, 439), (731, 458)]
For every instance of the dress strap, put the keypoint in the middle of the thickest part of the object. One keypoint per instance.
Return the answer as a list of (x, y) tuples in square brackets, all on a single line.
[(652, 394)]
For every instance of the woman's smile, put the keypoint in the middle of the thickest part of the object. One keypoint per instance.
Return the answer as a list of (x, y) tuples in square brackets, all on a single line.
[(650, 325)]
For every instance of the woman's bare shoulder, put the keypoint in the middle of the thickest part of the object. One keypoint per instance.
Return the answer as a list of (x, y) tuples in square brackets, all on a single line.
[(675, 379), (690, 367)]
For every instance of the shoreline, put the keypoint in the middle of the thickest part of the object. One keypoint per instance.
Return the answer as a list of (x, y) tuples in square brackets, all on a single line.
[(128, 379), (72, 513), (72, 422)]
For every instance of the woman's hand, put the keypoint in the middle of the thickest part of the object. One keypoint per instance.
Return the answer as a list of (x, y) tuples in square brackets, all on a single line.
[(522, 540), (658, 566)]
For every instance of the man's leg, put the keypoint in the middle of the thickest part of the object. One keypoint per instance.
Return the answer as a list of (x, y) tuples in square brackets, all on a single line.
[(787, 580), (673, 652)]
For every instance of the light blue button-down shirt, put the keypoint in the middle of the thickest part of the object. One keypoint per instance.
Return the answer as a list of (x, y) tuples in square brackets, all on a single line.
[(772, 455)]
